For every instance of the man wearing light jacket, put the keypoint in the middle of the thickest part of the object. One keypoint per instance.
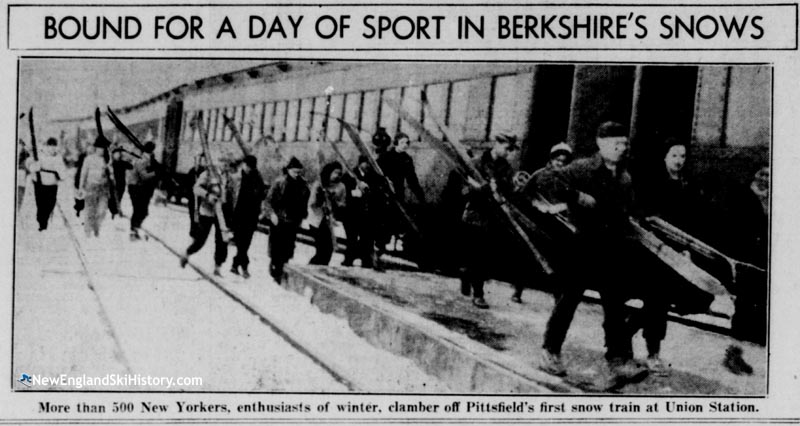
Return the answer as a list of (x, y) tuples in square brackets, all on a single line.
[(47, 173)]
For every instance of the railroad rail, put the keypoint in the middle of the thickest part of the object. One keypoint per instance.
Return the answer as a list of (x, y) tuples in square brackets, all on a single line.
[(316, 358)]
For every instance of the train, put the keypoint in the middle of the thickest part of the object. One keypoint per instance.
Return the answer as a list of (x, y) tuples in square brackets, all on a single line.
[(287, 109)]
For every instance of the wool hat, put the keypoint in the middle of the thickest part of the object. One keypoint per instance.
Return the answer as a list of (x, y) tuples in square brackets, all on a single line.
[(611, 129), (559, 149), (294, 163), (506, 138), (381, 139)]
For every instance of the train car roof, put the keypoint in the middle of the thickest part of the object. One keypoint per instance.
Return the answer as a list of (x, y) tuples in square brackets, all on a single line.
[(265, 72)]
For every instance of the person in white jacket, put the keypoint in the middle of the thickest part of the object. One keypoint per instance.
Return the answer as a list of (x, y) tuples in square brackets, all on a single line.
[(94, 186), (47, 173)]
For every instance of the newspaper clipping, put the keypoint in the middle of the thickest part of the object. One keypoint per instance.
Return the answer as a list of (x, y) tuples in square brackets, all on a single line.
[(381, 212)]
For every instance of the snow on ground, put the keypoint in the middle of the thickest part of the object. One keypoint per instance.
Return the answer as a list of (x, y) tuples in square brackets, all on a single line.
[(144, 315), (372, 369)]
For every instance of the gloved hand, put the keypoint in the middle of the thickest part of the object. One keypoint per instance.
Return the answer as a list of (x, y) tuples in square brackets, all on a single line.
[(586, 200)]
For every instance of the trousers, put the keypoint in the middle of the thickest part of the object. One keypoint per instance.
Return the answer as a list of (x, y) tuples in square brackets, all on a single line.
[(140, 199), (204, 225), (45, 202), (243, 237), (600, 268), (324, 241)]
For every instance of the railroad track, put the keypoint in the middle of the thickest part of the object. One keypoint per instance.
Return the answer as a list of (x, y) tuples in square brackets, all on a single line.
[(285, 335), (109, 329)]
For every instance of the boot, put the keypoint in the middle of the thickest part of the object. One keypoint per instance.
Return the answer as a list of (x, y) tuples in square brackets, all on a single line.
[(734, 361), (656, 366), (466, 287), (624, 372), (551, 363), (517, 297), (276, 273), (480, 303)]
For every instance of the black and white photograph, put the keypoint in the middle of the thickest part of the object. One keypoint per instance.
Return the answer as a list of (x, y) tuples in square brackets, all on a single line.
[(411, 227)]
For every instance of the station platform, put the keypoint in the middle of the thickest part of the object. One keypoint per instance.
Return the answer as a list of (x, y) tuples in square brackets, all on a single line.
[(424, 317)]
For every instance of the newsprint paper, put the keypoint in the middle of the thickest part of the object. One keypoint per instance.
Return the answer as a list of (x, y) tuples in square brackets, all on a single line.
[(399, 212)]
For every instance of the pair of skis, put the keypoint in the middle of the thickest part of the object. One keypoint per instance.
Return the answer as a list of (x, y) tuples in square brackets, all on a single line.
[(388, 187), (197, 122), (456, 154), (115, 209), (35, 153), (735, 268), (120, 126)]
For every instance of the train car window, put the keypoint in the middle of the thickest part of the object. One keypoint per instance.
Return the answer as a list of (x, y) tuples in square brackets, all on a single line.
[(195, 130), (184, 121), (239, 120), (748, 107), (224, 133), (335, 110), (206, 117), (306, 109), (246, 123), (369, 111), (459, 92), (256, 121), (212, 123), (389, 116), (352, 109), (512, 103), (469, 107), (206, 120), (279, 121), (411, 104), (267, 119), (219, 124), (319, 119), (292, 118), (230, 112), (438, 97)]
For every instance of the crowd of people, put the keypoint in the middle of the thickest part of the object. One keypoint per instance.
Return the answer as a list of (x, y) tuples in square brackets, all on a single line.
[(594, 198)]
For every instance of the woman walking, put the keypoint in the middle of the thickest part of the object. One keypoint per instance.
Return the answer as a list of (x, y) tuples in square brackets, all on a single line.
[(328, 199)]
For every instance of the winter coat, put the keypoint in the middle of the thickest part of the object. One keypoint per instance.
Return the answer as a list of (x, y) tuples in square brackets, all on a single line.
[(288, 199), (247, 190), (478, 211)]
